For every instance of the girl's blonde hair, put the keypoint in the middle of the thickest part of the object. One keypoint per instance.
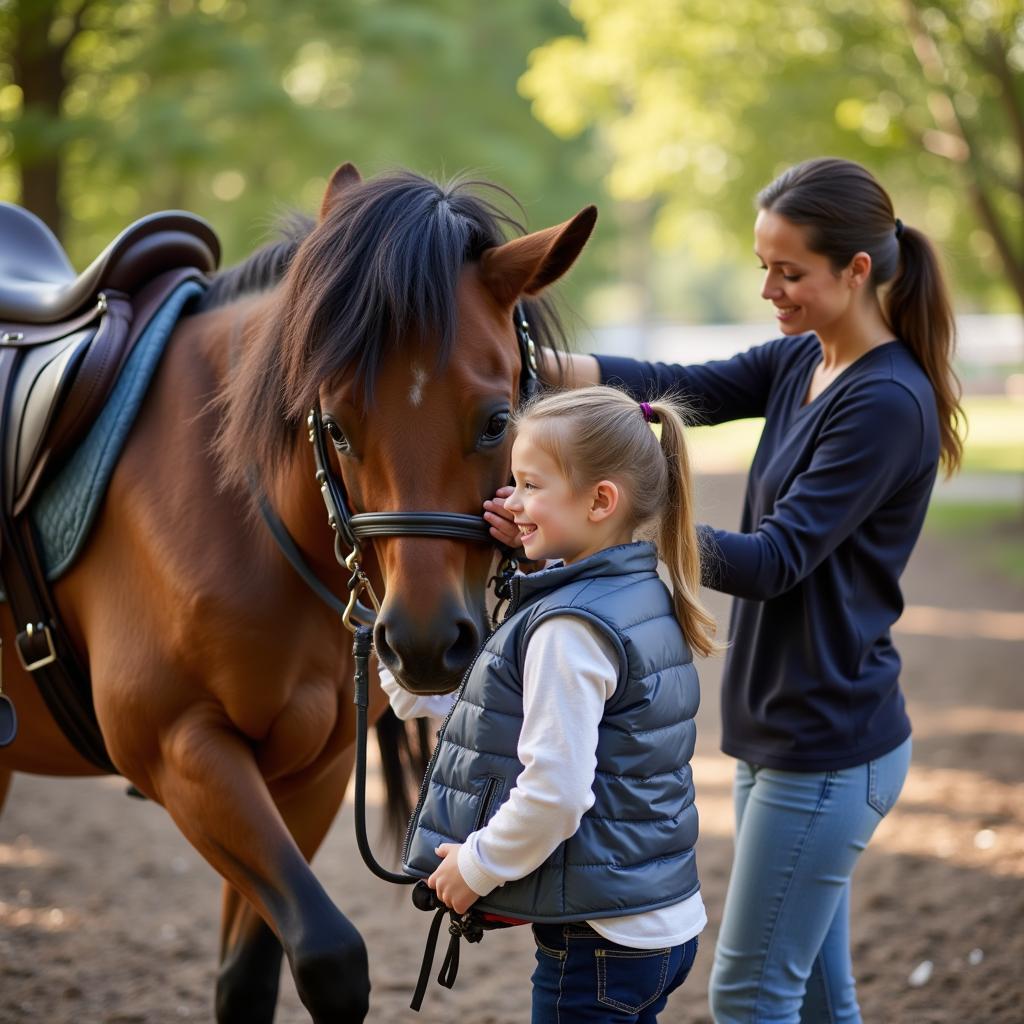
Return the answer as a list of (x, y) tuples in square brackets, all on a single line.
[(599, 433)]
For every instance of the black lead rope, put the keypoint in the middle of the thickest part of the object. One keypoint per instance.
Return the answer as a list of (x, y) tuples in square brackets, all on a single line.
[(362, 644), (461, 926)]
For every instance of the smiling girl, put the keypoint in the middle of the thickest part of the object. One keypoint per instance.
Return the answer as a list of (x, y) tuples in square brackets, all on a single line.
[(561, 791), (860, 407)]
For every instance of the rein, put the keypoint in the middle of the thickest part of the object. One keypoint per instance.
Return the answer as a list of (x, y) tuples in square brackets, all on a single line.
[(350, 531)]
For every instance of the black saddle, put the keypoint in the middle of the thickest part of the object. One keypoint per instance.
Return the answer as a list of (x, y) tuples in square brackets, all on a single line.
[(63, 340), (73, 332), (38, 285)]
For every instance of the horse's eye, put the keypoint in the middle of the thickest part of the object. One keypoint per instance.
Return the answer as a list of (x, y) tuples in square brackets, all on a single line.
[(495, 429), (337, 435)]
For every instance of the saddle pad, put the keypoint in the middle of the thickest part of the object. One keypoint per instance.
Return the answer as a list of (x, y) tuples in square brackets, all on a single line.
[(65, 508)]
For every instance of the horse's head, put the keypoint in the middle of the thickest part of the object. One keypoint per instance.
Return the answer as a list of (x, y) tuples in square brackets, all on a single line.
[(400, 322)]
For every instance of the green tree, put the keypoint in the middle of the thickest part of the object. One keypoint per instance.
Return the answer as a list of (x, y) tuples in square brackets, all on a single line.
[(697, 106), (236, 108)]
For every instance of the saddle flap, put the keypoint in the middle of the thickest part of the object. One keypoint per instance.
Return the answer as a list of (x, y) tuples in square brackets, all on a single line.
[(45, 376)]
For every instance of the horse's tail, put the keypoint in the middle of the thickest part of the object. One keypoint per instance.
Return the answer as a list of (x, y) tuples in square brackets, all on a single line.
[(404, 755)]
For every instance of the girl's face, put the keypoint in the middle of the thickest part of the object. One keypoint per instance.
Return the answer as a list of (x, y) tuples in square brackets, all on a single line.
[(555, 521), (808, 295)]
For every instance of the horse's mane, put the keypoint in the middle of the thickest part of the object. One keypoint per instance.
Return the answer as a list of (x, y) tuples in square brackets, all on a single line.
[(378, 271), (262, 269)]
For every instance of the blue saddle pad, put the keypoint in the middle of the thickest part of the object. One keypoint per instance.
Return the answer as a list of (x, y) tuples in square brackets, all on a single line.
[(65, 508)]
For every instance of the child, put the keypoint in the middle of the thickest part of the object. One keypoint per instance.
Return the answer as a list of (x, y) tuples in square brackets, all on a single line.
[(561, 791)]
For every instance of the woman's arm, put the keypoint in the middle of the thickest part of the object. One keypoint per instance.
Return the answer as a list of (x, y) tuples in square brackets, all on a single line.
[(569, 370), (871, 448), (717, 391)]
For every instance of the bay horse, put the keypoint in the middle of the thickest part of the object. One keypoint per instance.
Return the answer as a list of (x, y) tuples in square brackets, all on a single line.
[(221, 681)]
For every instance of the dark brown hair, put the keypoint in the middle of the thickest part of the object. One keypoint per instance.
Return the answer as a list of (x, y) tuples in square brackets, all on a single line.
[(846, 211)]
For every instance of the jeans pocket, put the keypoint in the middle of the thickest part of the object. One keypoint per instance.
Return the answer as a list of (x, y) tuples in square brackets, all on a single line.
[(630, 979), (882, 791), (549, 940)]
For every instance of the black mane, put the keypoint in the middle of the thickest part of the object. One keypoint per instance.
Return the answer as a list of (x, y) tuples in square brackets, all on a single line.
[(380, 270), (262, 269)]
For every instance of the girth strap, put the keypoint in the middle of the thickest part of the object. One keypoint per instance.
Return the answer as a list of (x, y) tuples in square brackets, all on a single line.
[(41, 643)]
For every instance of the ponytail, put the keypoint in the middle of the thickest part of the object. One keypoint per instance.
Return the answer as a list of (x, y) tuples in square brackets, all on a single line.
[(598, 433), (845, 211), (677, 540), (920, 313)]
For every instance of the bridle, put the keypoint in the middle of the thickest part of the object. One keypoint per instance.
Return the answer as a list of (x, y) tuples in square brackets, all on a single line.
[(351, 529)]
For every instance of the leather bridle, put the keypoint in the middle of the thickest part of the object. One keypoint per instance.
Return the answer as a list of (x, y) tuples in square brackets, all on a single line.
[(351, 529)]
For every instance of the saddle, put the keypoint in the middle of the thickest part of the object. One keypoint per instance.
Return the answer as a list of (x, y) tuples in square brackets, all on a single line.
[(64, 338)]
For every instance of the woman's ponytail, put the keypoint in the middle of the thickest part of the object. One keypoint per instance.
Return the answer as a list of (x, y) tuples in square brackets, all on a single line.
[(920, 313), (677, 540), (845, 211)]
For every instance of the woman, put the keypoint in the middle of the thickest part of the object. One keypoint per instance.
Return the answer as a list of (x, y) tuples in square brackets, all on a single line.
[(860, 406)]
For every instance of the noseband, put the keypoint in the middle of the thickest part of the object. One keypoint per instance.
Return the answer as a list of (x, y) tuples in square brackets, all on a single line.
[(351, 529)]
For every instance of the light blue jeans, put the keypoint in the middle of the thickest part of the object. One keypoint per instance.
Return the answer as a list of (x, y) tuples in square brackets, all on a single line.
[(783, 954)]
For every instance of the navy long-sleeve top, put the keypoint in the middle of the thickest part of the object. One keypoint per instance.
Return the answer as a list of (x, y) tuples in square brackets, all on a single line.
[(836, 498)]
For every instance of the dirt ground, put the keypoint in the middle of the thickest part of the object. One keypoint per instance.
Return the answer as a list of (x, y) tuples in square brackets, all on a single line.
[(107, 915)]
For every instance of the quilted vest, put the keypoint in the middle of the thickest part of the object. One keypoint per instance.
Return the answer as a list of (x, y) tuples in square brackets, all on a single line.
[(634, 849)]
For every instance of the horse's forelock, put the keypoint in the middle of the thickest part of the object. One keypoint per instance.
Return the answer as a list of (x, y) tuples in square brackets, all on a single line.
[(379, 271)]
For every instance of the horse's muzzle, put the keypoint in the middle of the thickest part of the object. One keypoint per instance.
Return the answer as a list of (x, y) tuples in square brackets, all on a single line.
[(427, 656)]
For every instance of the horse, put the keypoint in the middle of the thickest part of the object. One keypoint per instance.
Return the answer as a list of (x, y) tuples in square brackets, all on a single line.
[(221, 681)]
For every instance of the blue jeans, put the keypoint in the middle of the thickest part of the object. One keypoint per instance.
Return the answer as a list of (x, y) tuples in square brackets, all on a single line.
[(783, 954), (583, 978)]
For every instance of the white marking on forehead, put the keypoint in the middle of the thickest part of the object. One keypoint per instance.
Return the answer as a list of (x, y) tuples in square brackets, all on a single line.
[(419, 378)]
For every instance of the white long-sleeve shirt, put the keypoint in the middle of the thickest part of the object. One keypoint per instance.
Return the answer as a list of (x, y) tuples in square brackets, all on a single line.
[(569, 673)]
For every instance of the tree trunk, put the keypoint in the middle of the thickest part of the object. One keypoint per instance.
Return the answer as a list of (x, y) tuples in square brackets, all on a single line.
[(39, 71)]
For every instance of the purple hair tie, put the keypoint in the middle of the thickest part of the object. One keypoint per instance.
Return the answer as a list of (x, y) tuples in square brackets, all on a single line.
[(649, 414)]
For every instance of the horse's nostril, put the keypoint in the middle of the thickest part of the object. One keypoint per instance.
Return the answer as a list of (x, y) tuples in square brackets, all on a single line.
[(460, 652), (385, 652)]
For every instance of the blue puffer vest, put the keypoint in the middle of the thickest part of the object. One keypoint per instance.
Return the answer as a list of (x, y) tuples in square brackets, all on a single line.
[(634, 849)]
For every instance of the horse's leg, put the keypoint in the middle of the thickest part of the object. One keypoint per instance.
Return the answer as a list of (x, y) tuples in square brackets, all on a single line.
[(250, 954), (209, 782), (250, 964)]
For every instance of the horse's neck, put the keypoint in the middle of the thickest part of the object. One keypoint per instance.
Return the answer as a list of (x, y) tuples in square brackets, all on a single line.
[(222, 341)]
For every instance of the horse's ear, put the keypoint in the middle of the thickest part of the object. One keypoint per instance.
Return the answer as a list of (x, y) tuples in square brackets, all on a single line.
[(527, 265), (343, 178)]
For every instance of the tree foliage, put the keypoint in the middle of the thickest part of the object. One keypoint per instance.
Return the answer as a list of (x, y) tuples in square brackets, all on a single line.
[(238, 108), (698, 105)]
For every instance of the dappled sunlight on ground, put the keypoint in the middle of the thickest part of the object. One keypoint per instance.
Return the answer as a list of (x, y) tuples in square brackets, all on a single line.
[(23, 853), (982, 623), (49, 919), (960, 816), (950, 721)]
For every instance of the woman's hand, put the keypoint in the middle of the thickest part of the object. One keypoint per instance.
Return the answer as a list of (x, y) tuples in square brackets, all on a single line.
[(503, 529), (568, 369)]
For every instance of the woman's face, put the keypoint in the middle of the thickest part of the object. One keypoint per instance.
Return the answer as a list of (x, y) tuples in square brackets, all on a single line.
[(808, 295)]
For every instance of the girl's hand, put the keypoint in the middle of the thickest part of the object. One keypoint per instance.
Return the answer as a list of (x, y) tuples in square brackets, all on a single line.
[(447, 880), (503, 529)]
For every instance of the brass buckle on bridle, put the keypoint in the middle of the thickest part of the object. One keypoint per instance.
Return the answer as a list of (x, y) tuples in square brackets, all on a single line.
[(358, 582)]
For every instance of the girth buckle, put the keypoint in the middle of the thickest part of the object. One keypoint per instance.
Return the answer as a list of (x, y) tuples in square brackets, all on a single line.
[(28, 645)]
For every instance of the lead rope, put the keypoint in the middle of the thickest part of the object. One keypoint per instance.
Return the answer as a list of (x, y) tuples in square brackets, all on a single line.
[(461, 926)]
